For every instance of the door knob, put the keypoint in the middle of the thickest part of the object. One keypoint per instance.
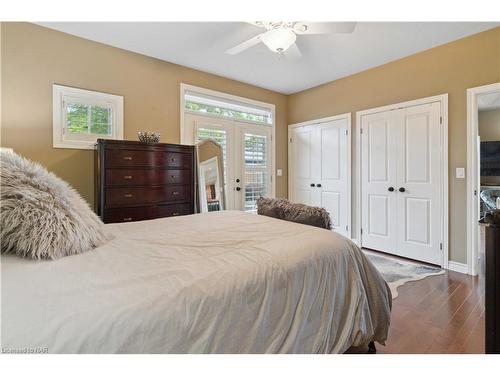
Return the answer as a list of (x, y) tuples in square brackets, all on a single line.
[(402, 189), (237, 180), (390, 188), (313, 185), (238, 188), (318, 185)]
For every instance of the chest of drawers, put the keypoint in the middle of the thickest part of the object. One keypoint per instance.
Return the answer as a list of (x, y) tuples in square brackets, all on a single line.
[(141, 181)]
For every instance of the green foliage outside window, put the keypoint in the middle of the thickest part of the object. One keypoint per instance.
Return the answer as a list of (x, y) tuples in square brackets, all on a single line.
[(81, 116), (198, 107)]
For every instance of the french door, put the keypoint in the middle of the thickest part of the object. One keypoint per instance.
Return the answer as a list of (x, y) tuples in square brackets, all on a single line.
[(401, 184), (319, 173), (247, 157)]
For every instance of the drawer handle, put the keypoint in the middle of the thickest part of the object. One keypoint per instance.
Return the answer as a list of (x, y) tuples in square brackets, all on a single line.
[(127, 219), (127, 158), (127, 177), (172, 160), (175, 214), (173, 176), (175, 193), (128, 195)]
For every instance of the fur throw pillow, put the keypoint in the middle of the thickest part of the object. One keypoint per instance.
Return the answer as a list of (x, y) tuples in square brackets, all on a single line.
[(296, 212), (42, 217)]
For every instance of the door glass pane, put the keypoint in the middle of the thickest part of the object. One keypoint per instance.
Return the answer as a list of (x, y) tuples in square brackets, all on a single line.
[(218, 135), (256, 169)]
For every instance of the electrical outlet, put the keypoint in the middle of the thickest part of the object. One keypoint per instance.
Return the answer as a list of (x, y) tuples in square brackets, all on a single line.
[(279, 172)]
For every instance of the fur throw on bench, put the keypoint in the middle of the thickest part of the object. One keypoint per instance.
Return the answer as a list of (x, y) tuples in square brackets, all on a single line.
[(296, 212)]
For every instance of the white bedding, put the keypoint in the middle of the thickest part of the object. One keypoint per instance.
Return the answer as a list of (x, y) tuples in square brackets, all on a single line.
[(223, 282)]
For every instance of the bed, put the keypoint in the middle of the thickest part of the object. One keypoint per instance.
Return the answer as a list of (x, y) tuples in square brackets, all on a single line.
[(219, 282)]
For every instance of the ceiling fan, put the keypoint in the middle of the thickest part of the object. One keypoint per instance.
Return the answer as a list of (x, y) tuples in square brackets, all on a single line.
[(280, 37)]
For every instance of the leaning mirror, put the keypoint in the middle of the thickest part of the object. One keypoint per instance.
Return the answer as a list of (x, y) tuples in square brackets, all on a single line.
[(210, 165)]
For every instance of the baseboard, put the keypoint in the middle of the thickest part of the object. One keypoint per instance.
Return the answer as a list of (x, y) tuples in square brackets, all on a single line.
[(458, 267)]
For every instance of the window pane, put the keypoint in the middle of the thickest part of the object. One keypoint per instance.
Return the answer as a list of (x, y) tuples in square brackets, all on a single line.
[(77, 115), (256, 175), (101, 120), (87, 119), (220, 111)]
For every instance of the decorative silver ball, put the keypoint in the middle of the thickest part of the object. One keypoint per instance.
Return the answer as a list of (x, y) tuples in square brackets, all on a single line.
[(149, 137)]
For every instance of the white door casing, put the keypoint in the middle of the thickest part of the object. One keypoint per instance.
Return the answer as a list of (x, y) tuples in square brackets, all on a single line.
[(319, 157), (401, 182), (473, 174)]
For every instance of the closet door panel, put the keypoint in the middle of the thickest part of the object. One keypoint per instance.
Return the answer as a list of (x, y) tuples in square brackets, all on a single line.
[(378, 159), (419, 174), (302, 165), (333, 173)]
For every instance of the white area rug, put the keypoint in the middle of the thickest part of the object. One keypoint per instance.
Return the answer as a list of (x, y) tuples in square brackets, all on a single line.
[(397, 272)]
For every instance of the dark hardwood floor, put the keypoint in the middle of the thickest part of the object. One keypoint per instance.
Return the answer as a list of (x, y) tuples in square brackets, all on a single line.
[(438, 315)]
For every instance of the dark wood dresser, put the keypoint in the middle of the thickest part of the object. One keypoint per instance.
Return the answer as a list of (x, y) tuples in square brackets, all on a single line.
[(141, 181)]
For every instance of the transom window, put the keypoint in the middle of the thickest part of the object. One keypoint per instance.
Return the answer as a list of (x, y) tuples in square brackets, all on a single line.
[(83, 116), (204, 104)]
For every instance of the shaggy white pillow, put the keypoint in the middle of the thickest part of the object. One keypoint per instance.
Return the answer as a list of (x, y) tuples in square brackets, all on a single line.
[(43, 217)]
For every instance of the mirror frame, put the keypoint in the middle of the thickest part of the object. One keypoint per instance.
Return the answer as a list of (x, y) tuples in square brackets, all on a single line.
[(221, 174)]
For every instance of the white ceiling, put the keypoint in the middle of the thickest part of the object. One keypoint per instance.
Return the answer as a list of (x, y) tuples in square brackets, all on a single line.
[(201, 45)]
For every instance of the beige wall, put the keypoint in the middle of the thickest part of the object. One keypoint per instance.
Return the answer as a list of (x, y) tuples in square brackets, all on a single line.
[(489, 125), (451, 68), (34, 58)]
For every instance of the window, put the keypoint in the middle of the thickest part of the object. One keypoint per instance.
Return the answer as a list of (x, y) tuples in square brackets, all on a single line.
[(199, 103), (256, 170), (80, 117)]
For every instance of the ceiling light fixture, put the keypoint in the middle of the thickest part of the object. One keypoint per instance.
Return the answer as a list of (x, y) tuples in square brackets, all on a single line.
[(279, 39)]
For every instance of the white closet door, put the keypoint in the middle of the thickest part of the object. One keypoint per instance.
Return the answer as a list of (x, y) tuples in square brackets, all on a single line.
[(378, 181), (331, 168), (419, 183), (401, 182), (319, 169), (302, 160)]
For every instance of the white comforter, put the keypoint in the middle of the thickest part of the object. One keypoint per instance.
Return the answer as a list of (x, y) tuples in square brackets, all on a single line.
[(225, 282)]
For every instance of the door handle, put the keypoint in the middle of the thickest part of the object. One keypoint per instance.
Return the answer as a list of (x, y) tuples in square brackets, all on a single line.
[(238, 188), (402, 189), (390, 188), (313, 185), (318, 185)]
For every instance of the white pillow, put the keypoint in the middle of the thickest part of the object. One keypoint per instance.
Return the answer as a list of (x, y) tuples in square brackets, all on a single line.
[(42, 216)]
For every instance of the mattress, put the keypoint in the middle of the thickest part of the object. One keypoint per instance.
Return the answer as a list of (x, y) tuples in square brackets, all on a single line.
[(220, 282)]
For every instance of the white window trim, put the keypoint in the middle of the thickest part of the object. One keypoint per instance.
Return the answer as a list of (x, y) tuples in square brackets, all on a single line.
[(184, 133), (59, 93)]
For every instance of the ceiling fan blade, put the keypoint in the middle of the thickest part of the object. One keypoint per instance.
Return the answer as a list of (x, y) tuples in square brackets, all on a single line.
[(245, 45), (311, 28), (293, 52)]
